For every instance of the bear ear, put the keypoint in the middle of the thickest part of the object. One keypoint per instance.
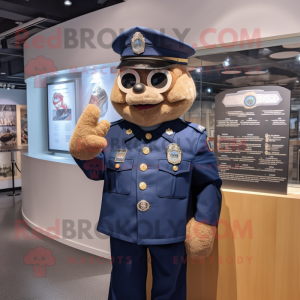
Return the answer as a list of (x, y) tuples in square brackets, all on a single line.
[(183, 89), (179, 70)]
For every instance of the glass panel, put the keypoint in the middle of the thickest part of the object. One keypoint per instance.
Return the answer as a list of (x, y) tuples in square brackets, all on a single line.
[(269, 66), (62, 96)]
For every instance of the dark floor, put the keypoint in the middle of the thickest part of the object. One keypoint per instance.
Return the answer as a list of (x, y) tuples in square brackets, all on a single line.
[(85, 278)]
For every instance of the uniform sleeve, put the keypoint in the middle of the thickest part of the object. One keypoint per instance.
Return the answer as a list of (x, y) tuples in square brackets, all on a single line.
[(94, 169), (206, 184)]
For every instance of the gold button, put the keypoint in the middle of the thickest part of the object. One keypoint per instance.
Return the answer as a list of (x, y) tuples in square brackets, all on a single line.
[(148, 136), (175, 168), (129, 131), (142, 186), (146, 150), (117, 166), (143, 167)]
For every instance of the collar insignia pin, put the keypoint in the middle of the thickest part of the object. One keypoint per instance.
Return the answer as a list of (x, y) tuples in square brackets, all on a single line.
[(129, 131), (169, 131)]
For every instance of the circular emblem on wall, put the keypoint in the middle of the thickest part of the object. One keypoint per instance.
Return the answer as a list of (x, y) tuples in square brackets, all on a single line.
[(250, 100)]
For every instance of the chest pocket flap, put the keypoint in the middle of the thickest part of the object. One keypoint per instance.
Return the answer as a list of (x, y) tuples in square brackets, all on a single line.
[(119, 179), (171, 183), (126, 165)]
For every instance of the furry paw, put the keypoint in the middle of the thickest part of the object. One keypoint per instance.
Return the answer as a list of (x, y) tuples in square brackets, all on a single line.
[(199, 239), (88, 140)]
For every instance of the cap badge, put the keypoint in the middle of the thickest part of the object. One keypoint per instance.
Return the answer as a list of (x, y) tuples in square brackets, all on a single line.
[(138, 43)]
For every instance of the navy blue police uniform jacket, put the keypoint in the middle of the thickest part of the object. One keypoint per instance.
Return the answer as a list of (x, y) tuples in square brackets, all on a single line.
[(173, 195)]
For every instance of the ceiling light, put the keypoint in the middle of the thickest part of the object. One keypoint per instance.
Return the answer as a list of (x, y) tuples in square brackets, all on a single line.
[(226, 63), (198, 70), (68, 2), (266, 50), (290, 46), (231, 72), (297, 81), (298, 57), (3, 73), (4, 85), (284, 55), (208, 90), (256, 72), (8, 88)]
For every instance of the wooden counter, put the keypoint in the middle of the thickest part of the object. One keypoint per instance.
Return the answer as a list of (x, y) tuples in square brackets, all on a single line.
[(257, 253)]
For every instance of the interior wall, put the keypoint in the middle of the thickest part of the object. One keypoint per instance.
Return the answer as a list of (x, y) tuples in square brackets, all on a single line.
[(269, 18), (13, 97)]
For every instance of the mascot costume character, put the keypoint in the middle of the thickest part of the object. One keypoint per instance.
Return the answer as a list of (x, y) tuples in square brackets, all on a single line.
[(161, 183)]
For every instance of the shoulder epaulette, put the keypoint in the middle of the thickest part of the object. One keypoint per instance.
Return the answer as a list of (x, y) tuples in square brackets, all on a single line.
[(197, 127), (116, 122)]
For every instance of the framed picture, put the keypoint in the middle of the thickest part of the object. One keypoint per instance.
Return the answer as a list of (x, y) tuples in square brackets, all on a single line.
[(8, 128), (61, 114)]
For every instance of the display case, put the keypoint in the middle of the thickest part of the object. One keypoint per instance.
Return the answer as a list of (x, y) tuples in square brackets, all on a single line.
[(271, 67), (13, 135)]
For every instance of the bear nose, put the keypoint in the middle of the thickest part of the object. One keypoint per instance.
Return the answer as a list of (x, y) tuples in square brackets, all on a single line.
[(138, 88)]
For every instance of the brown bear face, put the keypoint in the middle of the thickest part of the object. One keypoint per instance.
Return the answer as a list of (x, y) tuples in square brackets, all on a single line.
[(151, 105)]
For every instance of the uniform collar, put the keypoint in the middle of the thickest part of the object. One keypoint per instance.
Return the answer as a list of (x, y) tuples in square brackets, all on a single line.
[(130, 130), (167, 130)]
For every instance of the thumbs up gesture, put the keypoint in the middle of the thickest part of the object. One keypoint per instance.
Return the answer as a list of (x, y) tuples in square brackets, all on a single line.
[(88, 140)]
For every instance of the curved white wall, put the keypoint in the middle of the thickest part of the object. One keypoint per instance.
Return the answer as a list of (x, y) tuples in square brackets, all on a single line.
[(271, 17), (58, 195)]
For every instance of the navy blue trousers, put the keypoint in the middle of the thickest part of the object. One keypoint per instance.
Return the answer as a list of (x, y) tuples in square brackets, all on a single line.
[(129, 271)]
